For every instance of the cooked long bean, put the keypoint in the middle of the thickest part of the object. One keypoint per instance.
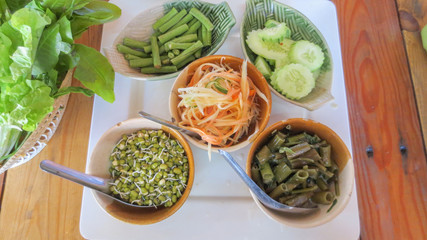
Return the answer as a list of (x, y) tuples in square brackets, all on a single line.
[(305, 173), (173, 21), (129, 42), (165, 18)]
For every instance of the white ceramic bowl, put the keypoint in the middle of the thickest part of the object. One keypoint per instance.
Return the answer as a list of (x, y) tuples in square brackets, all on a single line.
[(340, 154), (100, 163)]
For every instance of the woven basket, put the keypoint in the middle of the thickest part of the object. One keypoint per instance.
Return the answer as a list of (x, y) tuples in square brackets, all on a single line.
[(43, 133)]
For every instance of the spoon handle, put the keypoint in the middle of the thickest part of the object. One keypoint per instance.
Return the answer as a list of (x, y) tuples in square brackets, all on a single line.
[(167, 124), (259, 193), (86, 180)]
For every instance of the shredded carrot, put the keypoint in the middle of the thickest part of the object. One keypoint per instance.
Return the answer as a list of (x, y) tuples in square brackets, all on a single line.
[(219, 103)]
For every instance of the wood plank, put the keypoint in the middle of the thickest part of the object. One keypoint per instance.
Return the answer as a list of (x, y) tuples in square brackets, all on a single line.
[(383, 115), (40, 205), (413, 18)]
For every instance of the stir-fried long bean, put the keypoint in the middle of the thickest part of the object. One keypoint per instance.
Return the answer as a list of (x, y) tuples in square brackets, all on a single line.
[(296, 169)]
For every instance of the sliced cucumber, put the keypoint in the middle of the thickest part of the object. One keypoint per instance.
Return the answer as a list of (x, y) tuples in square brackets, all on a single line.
[(282, 62), (271, 23), (295, 81), (268, 50), (307, 54), (263, 67), (276, 33)]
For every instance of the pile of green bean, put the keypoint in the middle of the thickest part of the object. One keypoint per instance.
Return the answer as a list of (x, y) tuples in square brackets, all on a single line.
[(296, 169), (149, 168), (177, 40)]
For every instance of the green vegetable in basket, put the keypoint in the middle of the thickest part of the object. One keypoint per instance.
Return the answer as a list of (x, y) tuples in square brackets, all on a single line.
[(36, 51)]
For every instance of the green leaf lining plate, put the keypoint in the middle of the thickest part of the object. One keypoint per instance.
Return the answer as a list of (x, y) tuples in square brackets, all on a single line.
[(258, 12), (140, 28)]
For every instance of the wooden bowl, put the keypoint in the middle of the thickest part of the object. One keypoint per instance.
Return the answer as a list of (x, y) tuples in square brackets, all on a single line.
[(100, 163), (235, 63), (340, 154)]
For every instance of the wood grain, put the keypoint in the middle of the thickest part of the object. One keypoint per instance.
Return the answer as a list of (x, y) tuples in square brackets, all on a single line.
[(413, 18), (391, 184), (40, 205)]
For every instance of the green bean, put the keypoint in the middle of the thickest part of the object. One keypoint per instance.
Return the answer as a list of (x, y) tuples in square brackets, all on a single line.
[(186, 53), (165, 18), (266, 173), (312, 154), (299, 199), (185, 61), (174, 45), (325, 152), (155, 52), (173, 21), (163, 69), (142, 62), (264, 155), (202, 18), (277, 141), (127, 50), (130, 56), (173, 33), (206, 36), (281, 172), (198, 53), (176, 52), (256, 175), (184, 39), (303, 190), (193, 21), (324, 197), (129, 42), (171, 55), (299, 177), (324, 171), (322, 184), (193, 28), (298, 150), (293, 140), (300, 162), (185, 20), (278, 191)]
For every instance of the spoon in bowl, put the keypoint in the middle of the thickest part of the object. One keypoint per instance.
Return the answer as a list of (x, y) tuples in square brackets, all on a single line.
[(169, 124), (259, 193), (102, 185)]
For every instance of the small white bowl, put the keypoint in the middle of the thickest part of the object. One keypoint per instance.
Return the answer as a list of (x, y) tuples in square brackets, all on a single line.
[(340, 154)]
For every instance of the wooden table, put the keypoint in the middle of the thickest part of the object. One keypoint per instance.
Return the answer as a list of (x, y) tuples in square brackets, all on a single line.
[(386, 79)]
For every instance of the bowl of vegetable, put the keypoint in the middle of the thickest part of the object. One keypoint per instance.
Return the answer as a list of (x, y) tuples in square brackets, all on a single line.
[(152, 165), (290, 51), (302, 163), (224, 99), (161, 41)]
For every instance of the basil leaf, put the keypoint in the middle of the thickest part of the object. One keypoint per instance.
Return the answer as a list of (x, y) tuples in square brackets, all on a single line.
[(67, 90)]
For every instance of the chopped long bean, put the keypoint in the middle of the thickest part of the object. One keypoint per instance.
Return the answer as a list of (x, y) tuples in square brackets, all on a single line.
[(206, 36), (163, 69), (142, 62), (173, 21), (165, 18), (127, 50), (185, 20), (186, 53), (185, 61), (155, 52), (202, 18), (193, 28), (129, 42)]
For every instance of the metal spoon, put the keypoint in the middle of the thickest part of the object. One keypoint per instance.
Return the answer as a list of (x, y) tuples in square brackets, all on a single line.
[(102, 185), (259, 193), (169, 124)]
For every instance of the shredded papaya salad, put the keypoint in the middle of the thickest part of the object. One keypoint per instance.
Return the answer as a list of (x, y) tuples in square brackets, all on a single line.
[(219, 103)]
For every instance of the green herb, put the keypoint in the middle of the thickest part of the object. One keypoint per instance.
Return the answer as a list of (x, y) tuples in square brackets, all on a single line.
[(333, 204), (36, 51)]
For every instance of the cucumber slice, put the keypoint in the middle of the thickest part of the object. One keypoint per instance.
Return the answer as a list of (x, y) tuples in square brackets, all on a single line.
[(295, 81), (271, 23), (282, 62), (276, 33), (268, 50), (263, 67), (307, 54), (286, 44)]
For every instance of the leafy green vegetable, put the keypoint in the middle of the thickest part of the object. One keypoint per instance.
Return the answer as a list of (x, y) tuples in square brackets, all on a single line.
[(424, 36), (36, 51), (95, 72), (94, 13)]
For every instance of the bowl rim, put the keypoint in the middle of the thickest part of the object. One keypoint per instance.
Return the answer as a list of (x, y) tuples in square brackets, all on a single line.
[(157, 77), (318, 219), (330, 97), (251, 138), (176, 135)]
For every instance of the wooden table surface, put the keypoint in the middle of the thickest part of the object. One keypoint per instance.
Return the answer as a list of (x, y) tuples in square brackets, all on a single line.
[(386, 82)]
